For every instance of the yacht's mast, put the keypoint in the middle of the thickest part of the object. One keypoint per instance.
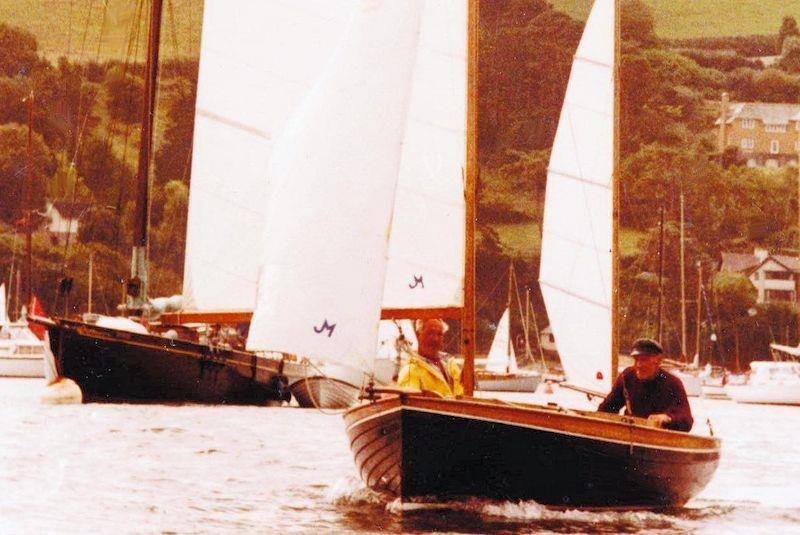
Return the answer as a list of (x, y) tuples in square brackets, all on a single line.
[(470, 179), (138, 284), (29, 210), (615, 203)]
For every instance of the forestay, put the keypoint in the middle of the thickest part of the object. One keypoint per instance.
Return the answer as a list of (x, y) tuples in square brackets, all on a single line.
[(501, 358), (426, 250), (332, 180), (575, 274), (257, 62)]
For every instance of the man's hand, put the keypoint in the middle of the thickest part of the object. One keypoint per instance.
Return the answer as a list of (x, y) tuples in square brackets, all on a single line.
[(659, 420)]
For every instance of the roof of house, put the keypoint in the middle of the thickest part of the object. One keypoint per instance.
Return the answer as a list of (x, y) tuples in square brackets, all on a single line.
[(749, 262), (768, 113), (72, 210)]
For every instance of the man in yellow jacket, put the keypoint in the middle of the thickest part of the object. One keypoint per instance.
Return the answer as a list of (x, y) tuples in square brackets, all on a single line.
[(432, 370)]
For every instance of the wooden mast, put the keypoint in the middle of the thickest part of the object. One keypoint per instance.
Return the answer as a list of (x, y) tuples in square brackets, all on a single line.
[(29, 210), (470, 183), (138, 284), (615, 202)]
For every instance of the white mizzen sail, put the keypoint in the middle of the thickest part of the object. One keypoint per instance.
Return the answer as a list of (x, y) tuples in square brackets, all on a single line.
[(501, 358), (575, 274), (257, 62), (332, 186), (426, 251)]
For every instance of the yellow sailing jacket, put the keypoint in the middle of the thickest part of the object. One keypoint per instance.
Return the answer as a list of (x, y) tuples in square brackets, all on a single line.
[(419, 373)]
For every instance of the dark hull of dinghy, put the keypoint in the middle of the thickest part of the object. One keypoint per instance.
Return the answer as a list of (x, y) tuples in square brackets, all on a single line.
[(420, 447)]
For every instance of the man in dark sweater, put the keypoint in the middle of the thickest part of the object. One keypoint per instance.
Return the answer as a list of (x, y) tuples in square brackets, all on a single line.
[(648, 391)]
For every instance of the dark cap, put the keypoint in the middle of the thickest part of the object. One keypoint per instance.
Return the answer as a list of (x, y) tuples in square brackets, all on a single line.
[(645, 347)]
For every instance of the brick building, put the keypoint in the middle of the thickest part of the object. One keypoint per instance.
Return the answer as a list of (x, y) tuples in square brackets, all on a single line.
[(763, 134)]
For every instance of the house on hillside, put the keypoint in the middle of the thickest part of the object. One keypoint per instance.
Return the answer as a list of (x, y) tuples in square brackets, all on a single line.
[(774, 276), (63, 219), (762, 134)]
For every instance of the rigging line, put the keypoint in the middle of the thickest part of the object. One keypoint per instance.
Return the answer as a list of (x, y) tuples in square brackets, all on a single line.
[(488, 296), (93, 97)]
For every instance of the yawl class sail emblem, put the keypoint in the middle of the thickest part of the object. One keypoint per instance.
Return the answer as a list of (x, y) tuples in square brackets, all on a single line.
[(417, 282)]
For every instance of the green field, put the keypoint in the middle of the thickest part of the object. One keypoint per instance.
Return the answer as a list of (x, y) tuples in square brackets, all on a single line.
[(706, 18), (523, 240), (101, 29)]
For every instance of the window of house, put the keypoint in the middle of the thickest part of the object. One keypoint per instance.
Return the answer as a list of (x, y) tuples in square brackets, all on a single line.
[(797, 145), (774, 146), (778, 295), (775, 128), (778, 275), (748, 123), (752, 162), (772, 162), (748, 143)]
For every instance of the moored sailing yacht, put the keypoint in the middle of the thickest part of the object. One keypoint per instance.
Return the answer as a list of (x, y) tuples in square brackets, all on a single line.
[(121, 360), (501, 372), (411, 444)]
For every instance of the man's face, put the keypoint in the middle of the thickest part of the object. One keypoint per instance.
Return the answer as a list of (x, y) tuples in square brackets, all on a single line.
[(647, 366), (431, 338)]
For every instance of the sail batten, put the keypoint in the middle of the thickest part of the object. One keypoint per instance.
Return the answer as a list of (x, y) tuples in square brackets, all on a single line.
[(576, 267)]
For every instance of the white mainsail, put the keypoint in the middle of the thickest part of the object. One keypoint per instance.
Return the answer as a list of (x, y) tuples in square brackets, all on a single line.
[(426, 251), (501, 358), (257, 62), (576, 273), (332, 183)]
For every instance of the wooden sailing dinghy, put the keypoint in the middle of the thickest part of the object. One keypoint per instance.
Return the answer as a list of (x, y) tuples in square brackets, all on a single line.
[(414, 445)]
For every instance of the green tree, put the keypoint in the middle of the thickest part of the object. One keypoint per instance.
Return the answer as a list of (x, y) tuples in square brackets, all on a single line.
[(124, 102), (14, 169), (637, 22), (788, 29), (18, 51), (173, 158)]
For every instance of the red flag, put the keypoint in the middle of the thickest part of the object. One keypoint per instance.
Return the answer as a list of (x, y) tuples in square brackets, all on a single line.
[(36, 309)]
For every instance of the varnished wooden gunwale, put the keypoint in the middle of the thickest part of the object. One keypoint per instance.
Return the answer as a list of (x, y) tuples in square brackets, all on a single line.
[(596, 425)]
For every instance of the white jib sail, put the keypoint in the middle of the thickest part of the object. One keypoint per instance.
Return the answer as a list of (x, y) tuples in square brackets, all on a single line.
[(501, 358), (575, 274), (258, 60), (332, 179), (426, 250), (3, 309)]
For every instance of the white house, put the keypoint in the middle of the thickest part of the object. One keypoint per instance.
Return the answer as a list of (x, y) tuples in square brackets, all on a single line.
[(774, 276), (62, 219)]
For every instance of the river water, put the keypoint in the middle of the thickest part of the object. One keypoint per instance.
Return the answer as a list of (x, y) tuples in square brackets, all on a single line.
[(102, 468)]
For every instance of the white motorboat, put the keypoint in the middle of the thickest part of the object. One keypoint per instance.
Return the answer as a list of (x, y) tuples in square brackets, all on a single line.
[(769, 382), (21, 353)]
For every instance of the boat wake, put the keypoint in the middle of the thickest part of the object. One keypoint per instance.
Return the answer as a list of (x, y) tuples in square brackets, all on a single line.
[(490, 515)]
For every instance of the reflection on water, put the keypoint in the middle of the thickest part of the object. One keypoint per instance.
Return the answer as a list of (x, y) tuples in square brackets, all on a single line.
[(199, 469)]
